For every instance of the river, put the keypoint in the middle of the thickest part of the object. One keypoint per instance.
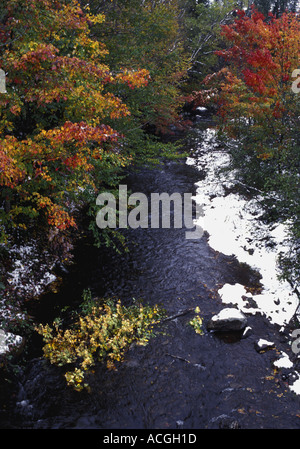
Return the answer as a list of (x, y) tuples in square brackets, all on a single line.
[(180, 380)]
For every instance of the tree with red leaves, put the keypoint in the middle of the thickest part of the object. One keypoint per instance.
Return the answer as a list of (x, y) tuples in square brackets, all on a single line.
[(259, 111)]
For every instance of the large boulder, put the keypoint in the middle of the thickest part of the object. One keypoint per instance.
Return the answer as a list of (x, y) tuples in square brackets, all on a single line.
[(227, 320)]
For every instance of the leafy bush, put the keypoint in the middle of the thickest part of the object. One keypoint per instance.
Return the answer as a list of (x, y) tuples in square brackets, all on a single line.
[(102, 333)]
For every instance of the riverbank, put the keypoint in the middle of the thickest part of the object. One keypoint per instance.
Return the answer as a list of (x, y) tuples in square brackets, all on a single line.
[(236, 226)]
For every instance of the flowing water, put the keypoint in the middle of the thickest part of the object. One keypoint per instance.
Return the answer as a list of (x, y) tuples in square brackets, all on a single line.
[(180, 379)]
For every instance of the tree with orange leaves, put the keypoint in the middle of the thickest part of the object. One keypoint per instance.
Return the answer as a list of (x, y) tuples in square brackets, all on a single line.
[(55, 145)]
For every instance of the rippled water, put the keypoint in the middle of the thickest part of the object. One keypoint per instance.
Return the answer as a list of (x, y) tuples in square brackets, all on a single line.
[(180, 379)]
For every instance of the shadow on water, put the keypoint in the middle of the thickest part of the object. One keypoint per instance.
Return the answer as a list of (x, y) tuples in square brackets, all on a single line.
[(180, 379)]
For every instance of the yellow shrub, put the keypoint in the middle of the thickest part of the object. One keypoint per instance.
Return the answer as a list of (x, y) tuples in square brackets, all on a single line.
[(104, 333)]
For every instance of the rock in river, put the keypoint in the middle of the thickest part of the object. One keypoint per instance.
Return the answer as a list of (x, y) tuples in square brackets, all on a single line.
[(228, 319), (263, 345)]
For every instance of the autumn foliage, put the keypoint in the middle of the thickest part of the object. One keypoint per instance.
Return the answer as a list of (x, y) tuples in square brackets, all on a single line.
[(54, 136), (256, 83), (104, 333), (148, 34), (259, 112)]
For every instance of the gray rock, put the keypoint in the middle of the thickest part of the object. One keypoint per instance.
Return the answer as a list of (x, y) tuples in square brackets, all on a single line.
[(263, 345), (228, 319)]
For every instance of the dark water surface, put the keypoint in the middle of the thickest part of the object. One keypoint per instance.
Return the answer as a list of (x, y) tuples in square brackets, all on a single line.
[(180, 379)]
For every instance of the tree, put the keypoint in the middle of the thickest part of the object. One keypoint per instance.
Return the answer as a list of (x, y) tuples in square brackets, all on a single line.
[(146, 34), (259, 111), (56, 148), (277, 7), (202, 25)]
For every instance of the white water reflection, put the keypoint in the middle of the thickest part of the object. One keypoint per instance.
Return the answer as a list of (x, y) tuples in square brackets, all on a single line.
[(235, 228)]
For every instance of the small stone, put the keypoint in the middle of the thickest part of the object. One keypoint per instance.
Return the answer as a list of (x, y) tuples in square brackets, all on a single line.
[(179, 424), (263, 345), (228, 319), (283, 361), (247, 332)]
